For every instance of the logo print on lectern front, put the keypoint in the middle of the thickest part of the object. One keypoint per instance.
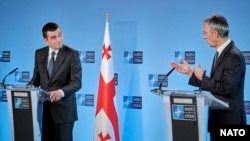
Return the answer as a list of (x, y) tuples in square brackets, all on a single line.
[(183, 112), (178, 112)]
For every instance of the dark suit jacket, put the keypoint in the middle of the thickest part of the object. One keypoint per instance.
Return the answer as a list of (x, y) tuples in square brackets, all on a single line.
[(66, 75), (226, 82)]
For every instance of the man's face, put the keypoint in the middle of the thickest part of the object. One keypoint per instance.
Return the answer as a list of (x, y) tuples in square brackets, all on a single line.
[(54, 39), (209, 35)]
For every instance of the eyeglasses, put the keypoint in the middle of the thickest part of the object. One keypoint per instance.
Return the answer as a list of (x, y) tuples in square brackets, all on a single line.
[(205, 33)]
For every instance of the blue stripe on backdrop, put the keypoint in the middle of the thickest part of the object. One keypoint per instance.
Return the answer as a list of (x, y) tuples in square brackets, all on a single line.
[(5, 130)]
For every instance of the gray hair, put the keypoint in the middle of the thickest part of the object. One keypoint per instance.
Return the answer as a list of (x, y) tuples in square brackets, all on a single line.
[(218, 23)]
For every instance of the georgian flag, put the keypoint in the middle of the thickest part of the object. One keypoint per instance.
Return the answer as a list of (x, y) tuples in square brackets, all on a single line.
[(106, 119)]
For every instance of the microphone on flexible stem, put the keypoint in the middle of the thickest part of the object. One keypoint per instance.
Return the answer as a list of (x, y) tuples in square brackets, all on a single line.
[(3, 81), (30, 82), (160, 85)]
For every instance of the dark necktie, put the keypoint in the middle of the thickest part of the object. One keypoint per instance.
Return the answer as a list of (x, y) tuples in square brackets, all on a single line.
[(51, 63), (215, 59)]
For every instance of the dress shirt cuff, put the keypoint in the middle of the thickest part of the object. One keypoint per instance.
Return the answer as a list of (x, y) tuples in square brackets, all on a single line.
[(61, 92)]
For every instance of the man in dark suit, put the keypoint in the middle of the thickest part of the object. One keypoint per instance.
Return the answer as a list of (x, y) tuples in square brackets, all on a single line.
[(60, 111), (226, 80)]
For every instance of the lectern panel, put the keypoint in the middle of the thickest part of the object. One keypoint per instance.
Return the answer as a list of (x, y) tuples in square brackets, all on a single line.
[(22, 115), (184, 118)]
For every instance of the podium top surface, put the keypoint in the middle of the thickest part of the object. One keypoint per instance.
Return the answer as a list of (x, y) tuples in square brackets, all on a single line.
[(21, 87), (209, 99), (176, 92)]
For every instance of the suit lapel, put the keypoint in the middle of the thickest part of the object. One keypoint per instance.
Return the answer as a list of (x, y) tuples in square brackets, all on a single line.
[(44, 61), (221, 57)]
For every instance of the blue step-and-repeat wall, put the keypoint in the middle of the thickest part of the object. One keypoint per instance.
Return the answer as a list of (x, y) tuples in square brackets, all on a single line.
[(146, 35)]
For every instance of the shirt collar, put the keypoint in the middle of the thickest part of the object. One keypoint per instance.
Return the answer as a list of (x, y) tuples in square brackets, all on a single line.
[(51, 50), (223, 46)]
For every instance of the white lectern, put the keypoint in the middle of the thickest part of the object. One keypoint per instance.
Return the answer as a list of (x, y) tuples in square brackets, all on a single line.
[(185, 113), (25, 108)]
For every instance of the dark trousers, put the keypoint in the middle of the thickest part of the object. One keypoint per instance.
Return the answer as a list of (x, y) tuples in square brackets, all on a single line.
[(52, 131)]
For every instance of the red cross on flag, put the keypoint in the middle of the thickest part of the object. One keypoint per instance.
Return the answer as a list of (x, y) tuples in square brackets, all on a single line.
[(106, 119)]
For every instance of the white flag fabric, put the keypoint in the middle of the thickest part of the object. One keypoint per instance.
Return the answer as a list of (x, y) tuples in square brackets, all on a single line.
[(106, 118)]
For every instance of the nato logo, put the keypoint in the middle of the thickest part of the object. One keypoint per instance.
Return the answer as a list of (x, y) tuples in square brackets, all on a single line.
[(18, 76), (85, 99), (163, 80), (5, 56), (246, 55), (178, 56), (189, 56), (87, 57), (128, 57), (183, 112), (18, 103), (133, 57), (178, 112), (132, 102), (22, 76), (153, 80), (25, 76), (116, 78), (3, 96)]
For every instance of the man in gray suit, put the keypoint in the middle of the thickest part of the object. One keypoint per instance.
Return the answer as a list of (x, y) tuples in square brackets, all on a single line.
[(61, 75), (227, 77)]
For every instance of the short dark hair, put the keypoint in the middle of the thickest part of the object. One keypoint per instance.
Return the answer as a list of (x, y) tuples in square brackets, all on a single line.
[(50, 26)]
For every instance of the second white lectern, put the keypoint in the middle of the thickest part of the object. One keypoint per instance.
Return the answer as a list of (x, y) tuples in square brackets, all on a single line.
[(185, 112)]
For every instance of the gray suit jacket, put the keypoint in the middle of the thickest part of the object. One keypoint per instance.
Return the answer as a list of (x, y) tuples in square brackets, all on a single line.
[(66, 75), (226, 82)]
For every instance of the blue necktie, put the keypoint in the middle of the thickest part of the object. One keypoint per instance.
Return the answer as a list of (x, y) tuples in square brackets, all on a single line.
[(51, 63)]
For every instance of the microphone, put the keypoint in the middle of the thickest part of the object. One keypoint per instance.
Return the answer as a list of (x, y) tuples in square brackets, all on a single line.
[(30, 82), (3, 81), (160, 86)]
